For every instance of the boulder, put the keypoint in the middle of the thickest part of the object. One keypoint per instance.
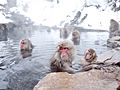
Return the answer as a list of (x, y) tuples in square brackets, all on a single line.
[(91, 80), (114, 28), (114, 42)]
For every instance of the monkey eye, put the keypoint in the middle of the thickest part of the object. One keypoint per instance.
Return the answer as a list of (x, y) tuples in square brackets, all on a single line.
[(90, 54), (22, 42), (64, 48)]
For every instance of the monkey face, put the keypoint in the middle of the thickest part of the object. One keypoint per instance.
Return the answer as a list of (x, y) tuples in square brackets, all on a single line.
[(64, 53), (23, 44), (75, 35), (90, 55)]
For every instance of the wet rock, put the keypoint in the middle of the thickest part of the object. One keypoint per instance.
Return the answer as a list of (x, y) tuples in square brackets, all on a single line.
[(108, 55), (91, 80), (114, 36), (114, 42), (114, 28)]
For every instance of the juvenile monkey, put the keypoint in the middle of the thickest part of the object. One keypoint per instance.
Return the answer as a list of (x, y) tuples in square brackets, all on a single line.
[(90, 55)]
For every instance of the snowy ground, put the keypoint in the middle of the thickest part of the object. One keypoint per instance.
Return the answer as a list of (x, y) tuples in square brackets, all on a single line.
[(52, 13)]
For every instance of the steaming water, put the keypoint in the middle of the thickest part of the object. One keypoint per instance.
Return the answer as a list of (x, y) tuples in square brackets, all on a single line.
[(45, 42)]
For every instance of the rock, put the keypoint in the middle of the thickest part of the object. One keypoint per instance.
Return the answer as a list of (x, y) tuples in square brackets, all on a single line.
[(114, 28), (91, 80), (107, 55), (114, 42), (114, 36)]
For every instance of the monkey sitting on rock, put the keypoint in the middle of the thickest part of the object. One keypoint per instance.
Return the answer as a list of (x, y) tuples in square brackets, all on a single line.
[(63, 58)]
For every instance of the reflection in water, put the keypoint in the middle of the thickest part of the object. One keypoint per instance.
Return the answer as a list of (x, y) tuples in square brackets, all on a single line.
[(45, 44), (26, 53)]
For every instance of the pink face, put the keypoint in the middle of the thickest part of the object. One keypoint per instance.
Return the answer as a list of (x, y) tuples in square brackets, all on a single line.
[(64, 53), (22, 44)]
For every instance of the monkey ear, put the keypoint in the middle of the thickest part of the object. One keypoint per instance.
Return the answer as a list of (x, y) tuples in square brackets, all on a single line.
[(58, 47)]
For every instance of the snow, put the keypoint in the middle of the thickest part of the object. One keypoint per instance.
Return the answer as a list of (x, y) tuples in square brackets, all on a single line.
[(99, 19), (3, 2), (3, 19), (52, 13)]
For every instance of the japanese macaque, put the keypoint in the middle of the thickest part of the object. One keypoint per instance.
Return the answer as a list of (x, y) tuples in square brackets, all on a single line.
[(90, 56), (118, 81), (64, 33), (63, 57), (114, 28), (26, 47), (118, 88), (3, 32), (76, 37)]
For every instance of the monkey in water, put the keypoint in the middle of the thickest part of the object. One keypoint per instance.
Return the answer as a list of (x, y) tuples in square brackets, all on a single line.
[(63, 58), (76, 37), (26, 48), (90, 55)]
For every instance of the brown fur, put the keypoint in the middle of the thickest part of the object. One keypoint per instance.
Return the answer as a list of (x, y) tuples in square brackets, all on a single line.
[(26, 47), (90, 55), (58, 64), (76, 37)]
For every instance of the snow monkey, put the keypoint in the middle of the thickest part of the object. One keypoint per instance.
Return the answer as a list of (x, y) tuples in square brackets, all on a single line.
[(63, 58)]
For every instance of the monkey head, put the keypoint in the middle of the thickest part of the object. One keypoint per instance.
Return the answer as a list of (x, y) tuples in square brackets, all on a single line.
[(66, 50), (75, 34), (25, 44), (90, 55)]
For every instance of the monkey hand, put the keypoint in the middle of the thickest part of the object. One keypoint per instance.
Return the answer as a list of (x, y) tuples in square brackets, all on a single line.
[(55, 63)]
